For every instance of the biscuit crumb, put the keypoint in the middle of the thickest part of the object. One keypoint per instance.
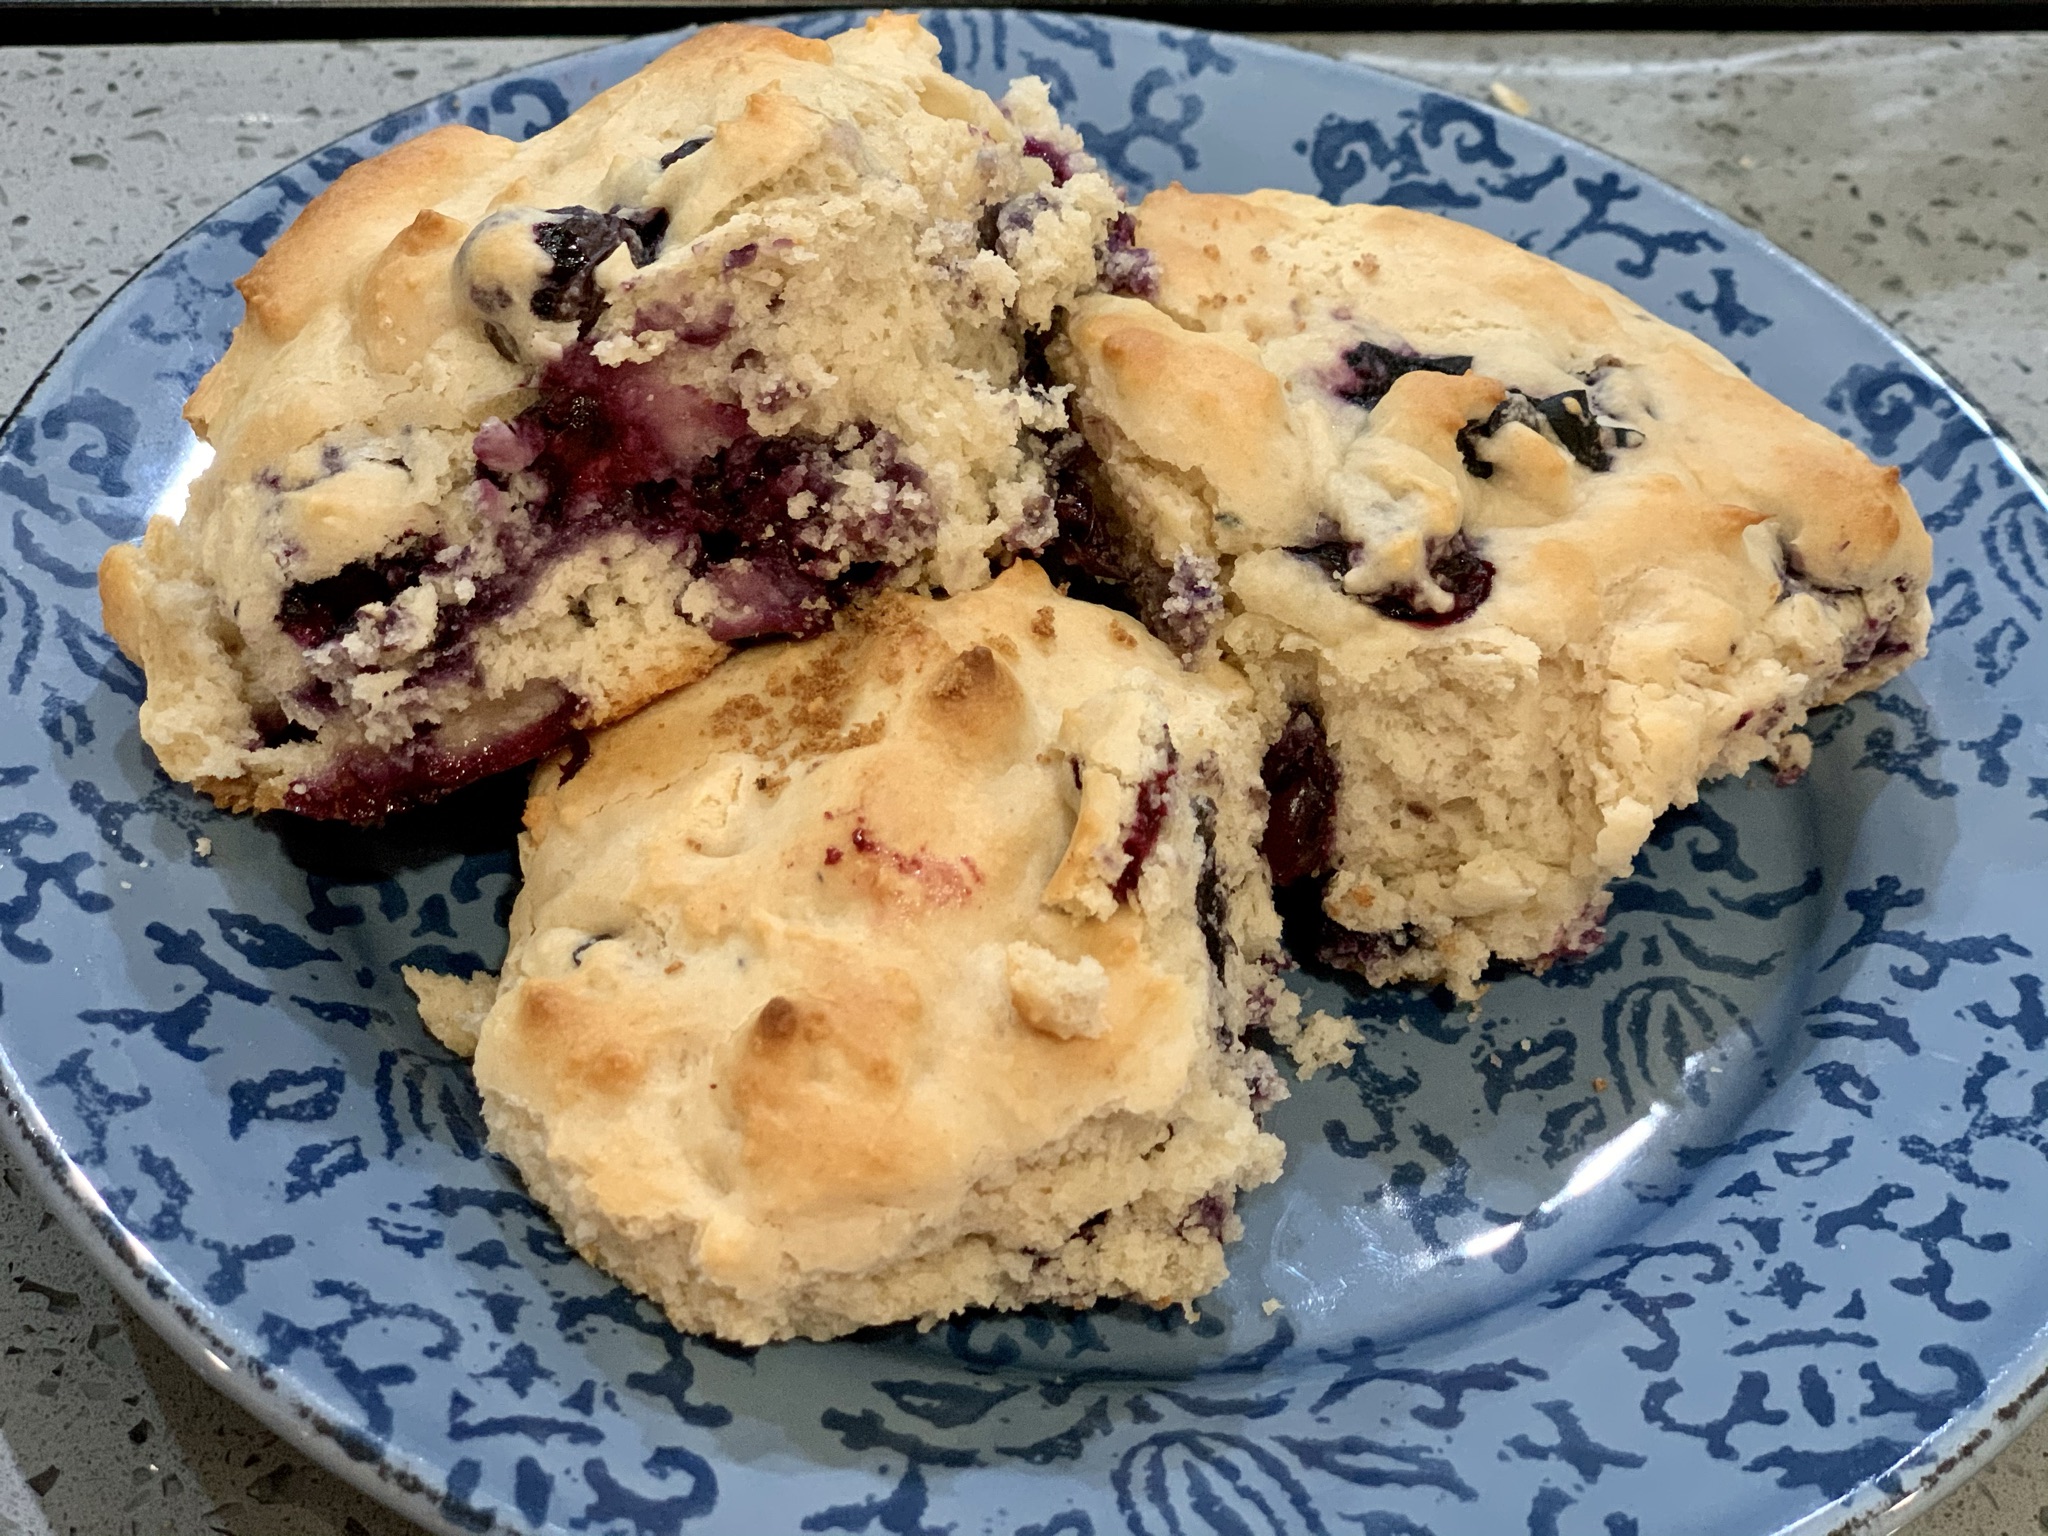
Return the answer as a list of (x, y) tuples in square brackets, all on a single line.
[(1065, 999), (203, 847), (1599, 1085), (452, 1007), (1042, 624), (1270, 1305), (1325, 1041), (1120, 636), (1507, 97)]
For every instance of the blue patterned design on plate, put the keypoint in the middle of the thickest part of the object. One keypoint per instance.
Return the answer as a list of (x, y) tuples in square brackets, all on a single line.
[(1725, 1230)]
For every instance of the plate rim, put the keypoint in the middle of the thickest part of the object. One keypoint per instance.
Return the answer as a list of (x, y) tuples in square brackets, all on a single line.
[(404, 1483)]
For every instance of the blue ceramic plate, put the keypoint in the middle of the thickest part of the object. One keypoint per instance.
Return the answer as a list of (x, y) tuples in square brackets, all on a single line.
[(1731, 1229)]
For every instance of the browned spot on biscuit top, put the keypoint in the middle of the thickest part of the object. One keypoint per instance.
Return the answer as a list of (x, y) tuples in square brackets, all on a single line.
[(777, 1021)]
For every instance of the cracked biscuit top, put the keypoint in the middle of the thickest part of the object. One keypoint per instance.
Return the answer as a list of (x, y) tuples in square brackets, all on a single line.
[(1390, 395), (1515, 564), (898, 971), (517, 436)]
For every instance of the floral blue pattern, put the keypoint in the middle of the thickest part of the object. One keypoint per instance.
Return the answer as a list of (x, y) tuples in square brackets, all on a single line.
[(1723, 1230)]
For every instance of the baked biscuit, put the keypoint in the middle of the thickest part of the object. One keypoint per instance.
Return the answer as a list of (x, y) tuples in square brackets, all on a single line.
[(515, 437), (894, 972), (1513, 564)]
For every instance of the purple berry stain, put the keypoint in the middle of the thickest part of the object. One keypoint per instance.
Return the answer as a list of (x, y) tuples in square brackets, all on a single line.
[(1142, 835), (1126, 267)]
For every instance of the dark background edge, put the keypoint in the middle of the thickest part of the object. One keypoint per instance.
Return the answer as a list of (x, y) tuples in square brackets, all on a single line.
[(102, 22)]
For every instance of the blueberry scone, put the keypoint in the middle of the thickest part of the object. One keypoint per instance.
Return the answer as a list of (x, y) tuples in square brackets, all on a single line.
[(1514, 565), (893, 972), (517, 436)]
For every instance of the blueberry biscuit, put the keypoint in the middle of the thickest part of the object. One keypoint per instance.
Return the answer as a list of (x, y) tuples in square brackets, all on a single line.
[(1513, 565), (895, 971), (515, 437)]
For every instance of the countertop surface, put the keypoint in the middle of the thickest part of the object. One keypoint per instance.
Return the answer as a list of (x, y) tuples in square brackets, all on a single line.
[(1907, 168)]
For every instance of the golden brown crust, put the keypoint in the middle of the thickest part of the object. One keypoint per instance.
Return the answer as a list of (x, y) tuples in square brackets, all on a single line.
[(373, 199), (1244, 264), (122, 609), (367, 204), (1224, 412), (407, 300), (795, 1031)]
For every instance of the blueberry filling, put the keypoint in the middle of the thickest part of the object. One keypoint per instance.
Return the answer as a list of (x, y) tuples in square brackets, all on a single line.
[(1457, 568), (1058, 160), (1209, 904), (578, 755), (1299, 845), (1567, 417), (1333, 556), (1876, 642), (605, 448), (705, 328), (1263, 1085), (1126, 267), (1577, 940), (599, 450), (314, 612), (1372, 370), (684, 150), (1192, 612), (363, 785), (1209, 1214), (1147, 821), (1300, 777), (1455, 565), (1796, 578), (1002, 226), (576, 240), (1348, 950)]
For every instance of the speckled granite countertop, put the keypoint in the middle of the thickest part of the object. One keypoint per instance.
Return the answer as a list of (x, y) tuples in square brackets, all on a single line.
[(1907, 168)]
